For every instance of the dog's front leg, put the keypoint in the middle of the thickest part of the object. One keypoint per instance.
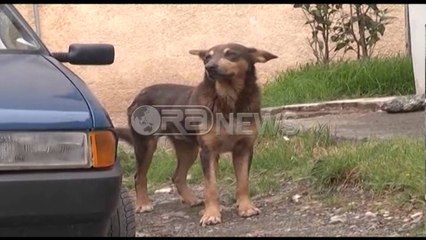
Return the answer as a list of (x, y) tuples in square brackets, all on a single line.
[(211, 213), (241, 158)]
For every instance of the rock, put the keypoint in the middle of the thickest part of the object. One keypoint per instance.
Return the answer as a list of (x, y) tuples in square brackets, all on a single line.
[(339, 210), (405, 104), (305, 208), (372, 227), (337, 219), (164, 190), (141, 234), (416, 215), (370, 215), (179, 214), (296, 198), (287, 129), (384, 213)]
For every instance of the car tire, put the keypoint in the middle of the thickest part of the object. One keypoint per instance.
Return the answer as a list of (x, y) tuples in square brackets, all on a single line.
[(123, 223)]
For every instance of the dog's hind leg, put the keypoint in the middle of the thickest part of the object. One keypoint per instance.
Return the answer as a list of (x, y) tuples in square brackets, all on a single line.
[(186, 154), (241, 158), (144, 147)]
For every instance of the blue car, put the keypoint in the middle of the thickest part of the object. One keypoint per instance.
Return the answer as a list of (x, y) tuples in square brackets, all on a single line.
[(59, 173)]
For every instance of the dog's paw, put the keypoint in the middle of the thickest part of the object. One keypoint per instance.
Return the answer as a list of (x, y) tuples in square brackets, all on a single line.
[(248, 210), (210, 217), (146, 208)]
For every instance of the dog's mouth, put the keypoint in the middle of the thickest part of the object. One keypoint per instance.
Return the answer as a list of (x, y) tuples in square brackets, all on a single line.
[(218, 75)]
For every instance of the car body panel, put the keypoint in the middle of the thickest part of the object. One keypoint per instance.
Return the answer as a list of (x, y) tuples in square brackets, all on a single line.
[(58, 202), (100, 116), (35, 95)]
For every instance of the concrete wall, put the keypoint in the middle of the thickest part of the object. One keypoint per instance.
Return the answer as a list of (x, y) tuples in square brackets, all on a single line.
[(152, 40), (417, 18)]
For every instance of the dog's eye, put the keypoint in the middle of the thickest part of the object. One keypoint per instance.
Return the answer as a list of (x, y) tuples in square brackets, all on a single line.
[(231, 54), (207, 57)]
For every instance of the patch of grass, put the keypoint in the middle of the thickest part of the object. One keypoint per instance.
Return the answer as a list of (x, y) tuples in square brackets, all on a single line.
[(160, 171), (393, 166), (380, 76)]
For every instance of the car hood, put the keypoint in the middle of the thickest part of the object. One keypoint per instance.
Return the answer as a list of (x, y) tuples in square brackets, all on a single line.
[(36, 95)]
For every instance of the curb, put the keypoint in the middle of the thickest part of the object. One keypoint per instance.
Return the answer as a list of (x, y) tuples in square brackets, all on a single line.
[(329, 107)]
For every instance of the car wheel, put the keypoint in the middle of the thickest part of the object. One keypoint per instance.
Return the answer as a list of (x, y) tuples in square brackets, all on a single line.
[(123, 223)]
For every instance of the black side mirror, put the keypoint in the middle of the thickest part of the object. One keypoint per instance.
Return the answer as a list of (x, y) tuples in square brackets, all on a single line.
[(87, 54)]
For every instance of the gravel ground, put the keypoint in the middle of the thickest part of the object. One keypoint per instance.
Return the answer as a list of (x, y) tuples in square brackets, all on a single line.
[(293, 211)]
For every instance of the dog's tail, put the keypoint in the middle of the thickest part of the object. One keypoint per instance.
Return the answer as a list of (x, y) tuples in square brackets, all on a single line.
[(125, 134)]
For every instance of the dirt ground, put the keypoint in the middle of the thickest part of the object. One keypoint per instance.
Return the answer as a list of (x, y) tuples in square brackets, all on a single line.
[(295, 210), (282, 216)]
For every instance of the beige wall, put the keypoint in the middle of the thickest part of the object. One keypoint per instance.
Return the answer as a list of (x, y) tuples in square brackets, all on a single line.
[(152, 41)]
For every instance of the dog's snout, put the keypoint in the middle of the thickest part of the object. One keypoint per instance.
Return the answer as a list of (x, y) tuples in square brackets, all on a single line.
[(211, 67)]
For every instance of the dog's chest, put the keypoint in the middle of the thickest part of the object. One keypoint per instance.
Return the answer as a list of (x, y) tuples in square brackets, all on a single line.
[(223, 140)]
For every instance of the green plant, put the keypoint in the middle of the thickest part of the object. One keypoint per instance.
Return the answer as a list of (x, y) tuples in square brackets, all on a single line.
[(320, 17), (364, 25)]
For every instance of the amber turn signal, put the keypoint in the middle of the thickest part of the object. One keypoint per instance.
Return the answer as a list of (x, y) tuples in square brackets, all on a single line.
[(103, 146)]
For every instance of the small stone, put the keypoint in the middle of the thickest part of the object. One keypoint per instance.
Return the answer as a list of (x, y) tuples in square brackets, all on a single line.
[(296, 198), (337, 219), (406, 220), (164, 190), (141, 234), (416, 215), (304, 208), (372, 227), (389, 218), (338, 211), (370, 215), (177, 214)]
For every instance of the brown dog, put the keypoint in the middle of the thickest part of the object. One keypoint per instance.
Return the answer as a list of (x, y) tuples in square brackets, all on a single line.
[(229, 87)]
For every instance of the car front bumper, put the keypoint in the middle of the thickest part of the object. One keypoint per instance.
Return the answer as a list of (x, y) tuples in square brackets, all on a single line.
[(58, 203)]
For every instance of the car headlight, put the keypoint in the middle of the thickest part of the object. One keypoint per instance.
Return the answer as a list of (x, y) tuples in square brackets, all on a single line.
[(47, 150)]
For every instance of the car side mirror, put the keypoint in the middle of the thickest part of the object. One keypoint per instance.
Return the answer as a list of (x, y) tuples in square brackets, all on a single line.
[(87, 54)]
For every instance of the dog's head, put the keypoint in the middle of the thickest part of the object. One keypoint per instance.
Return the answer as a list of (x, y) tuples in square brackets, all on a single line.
[(231, 61)]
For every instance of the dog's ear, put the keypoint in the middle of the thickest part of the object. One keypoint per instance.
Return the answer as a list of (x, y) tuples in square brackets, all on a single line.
[(200, 53), (261, 55)]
